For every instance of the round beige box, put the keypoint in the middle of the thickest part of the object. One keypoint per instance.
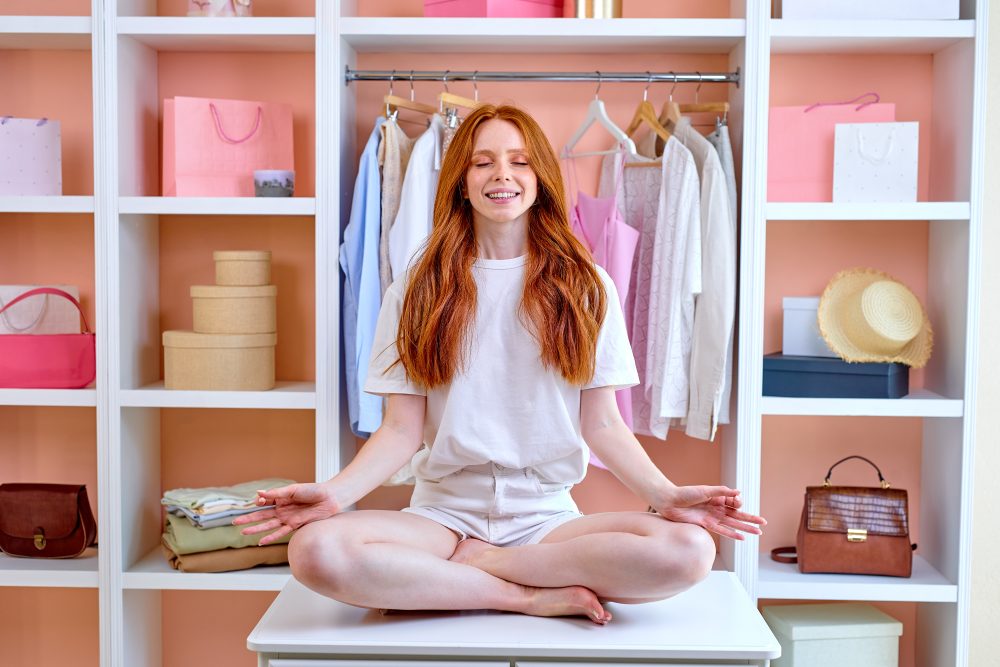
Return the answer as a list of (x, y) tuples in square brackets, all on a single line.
[(216, 362), (229, 309), (242, 267)]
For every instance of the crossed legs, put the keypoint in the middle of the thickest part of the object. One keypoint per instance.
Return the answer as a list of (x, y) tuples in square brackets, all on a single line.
[(397, 560)]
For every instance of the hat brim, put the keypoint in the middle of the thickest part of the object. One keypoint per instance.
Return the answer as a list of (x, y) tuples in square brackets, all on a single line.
[(848, 283)]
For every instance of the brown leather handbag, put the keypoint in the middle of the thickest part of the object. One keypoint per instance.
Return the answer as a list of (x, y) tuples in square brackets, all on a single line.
[(45, 520), (852, 530)]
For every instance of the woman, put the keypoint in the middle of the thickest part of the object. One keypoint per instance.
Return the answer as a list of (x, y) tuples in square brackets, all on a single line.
[(501, 350)]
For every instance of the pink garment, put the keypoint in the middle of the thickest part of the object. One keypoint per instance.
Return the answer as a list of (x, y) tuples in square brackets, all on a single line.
[(597, 222)]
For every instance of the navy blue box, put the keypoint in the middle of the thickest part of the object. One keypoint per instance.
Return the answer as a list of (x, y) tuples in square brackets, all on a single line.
[(830, 377)]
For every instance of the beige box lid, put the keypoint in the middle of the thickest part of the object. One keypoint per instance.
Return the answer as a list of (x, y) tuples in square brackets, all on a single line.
[(242, 255), (232, 291), (830, 621), (200, 340)]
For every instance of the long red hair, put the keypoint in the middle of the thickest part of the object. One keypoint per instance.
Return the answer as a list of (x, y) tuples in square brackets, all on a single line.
[(564, 301)]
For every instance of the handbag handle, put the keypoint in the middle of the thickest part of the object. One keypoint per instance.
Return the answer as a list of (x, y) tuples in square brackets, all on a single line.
[(829, 473), (55, 292), (222, 132), (860, 106), (785, 554), (29, 327)]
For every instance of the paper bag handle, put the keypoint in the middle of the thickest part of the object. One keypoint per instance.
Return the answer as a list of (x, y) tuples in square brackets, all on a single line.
[(29, 327), (870, 157), (831, 104), (54, 292), (222, 132)]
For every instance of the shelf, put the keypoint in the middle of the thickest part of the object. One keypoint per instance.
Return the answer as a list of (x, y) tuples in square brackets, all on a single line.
[(828, 36), (878, 211), (153, 572), (70, 33), (285, 396), (919, 403), (218, 205), (782, 581), (254, 34), (496, 35), (70, 204), (78, 572), (86, 398)]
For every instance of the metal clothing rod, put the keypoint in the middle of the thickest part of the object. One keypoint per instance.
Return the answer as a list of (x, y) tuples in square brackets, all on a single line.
[(595, 76)]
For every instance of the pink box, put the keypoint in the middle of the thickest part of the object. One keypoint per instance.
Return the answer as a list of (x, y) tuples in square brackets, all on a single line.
[(495, 8)]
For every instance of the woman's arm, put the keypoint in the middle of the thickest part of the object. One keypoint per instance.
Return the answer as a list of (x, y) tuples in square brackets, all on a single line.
[(714, 508), (389, 448)]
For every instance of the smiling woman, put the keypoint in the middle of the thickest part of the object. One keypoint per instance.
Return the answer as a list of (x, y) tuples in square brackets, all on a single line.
[(500, 352)]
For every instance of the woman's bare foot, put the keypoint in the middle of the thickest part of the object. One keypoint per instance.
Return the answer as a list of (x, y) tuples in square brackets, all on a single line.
[(568, 601), (468, 549)]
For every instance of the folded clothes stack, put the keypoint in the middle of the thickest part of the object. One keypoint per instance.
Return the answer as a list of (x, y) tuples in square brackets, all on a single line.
[(199, 536)]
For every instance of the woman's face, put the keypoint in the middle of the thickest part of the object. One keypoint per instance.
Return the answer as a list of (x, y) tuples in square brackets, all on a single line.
[(500, 183)]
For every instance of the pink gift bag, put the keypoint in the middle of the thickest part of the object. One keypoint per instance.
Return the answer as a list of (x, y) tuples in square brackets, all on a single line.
[(30, 156), (211, 147), (800, 145)]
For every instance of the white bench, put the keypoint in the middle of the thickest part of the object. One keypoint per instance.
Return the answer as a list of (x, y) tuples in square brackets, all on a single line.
[(713, 623)]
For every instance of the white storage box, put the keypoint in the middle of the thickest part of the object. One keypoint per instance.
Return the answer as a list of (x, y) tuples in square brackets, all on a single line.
[(866, 9), (834, 635), (800, 331)]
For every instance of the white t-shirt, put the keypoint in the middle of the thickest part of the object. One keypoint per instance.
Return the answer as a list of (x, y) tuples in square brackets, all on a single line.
[(505, 407)]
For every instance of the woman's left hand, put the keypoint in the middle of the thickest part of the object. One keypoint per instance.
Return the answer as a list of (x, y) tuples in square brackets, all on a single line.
[(714, 508)]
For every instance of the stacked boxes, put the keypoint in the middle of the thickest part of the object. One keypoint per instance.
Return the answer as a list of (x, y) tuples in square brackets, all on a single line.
[(235, 329)]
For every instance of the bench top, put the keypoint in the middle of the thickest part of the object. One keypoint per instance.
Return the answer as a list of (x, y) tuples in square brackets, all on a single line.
[(713, 620)]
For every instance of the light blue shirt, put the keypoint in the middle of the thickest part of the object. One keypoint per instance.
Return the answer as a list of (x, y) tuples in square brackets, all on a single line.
[(362, 288)]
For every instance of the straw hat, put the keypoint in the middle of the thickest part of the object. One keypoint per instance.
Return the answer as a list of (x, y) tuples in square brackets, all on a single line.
[(867, 315)]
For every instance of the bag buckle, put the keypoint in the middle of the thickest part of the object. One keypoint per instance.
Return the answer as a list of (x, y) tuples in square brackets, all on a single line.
[(40, 538), (857, 534)]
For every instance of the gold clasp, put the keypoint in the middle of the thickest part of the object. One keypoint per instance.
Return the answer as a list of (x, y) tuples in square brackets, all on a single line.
[(40, 538), (857, 534)]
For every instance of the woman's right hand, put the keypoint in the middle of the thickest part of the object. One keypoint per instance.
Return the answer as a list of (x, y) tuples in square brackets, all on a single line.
[(289, 508)]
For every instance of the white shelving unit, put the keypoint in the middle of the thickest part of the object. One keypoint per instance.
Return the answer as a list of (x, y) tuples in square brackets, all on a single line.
[(129, 570)]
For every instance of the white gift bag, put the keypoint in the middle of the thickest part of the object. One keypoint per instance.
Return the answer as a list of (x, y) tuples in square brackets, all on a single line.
[(30, 157), (220, 8), (40, 314), (875, 162)]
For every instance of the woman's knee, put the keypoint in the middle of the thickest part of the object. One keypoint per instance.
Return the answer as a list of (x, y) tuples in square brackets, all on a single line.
[(322, 555), (696, 553)]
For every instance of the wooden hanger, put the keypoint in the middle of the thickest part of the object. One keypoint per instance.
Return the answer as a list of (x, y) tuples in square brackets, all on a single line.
[(449, 99), (597, 113), (645, 113), (394, 102)]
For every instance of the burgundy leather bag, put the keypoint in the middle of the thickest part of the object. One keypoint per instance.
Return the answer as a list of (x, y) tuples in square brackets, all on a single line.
[(45, 520), (852, 530), (48, 361)]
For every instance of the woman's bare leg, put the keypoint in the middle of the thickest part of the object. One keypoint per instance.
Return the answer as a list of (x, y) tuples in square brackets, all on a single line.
[(395, 560), (621, 556)]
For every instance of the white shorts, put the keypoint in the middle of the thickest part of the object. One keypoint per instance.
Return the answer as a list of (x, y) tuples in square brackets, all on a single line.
[(503, 506)]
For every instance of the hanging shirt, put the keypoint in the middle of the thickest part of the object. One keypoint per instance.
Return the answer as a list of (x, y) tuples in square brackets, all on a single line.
[(599, 225), (362, 292), (416, 205), (393, 156), (667, 278), (525, 415), (720, 139), (715, 305)]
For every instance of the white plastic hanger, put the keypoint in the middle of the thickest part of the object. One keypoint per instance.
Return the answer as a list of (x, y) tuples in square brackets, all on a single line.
[(597, 112)]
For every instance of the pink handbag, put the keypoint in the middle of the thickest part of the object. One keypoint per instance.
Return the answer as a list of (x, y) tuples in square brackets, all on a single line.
[(495, 8), (800, 146), (48, 361), (211, 147)]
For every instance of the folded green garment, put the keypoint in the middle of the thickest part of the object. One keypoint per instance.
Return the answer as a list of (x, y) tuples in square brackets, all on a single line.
[(246, 491), (185, 538), (227, 560)]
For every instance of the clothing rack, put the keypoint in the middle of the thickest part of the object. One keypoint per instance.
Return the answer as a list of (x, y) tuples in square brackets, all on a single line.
[(595, 76)]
